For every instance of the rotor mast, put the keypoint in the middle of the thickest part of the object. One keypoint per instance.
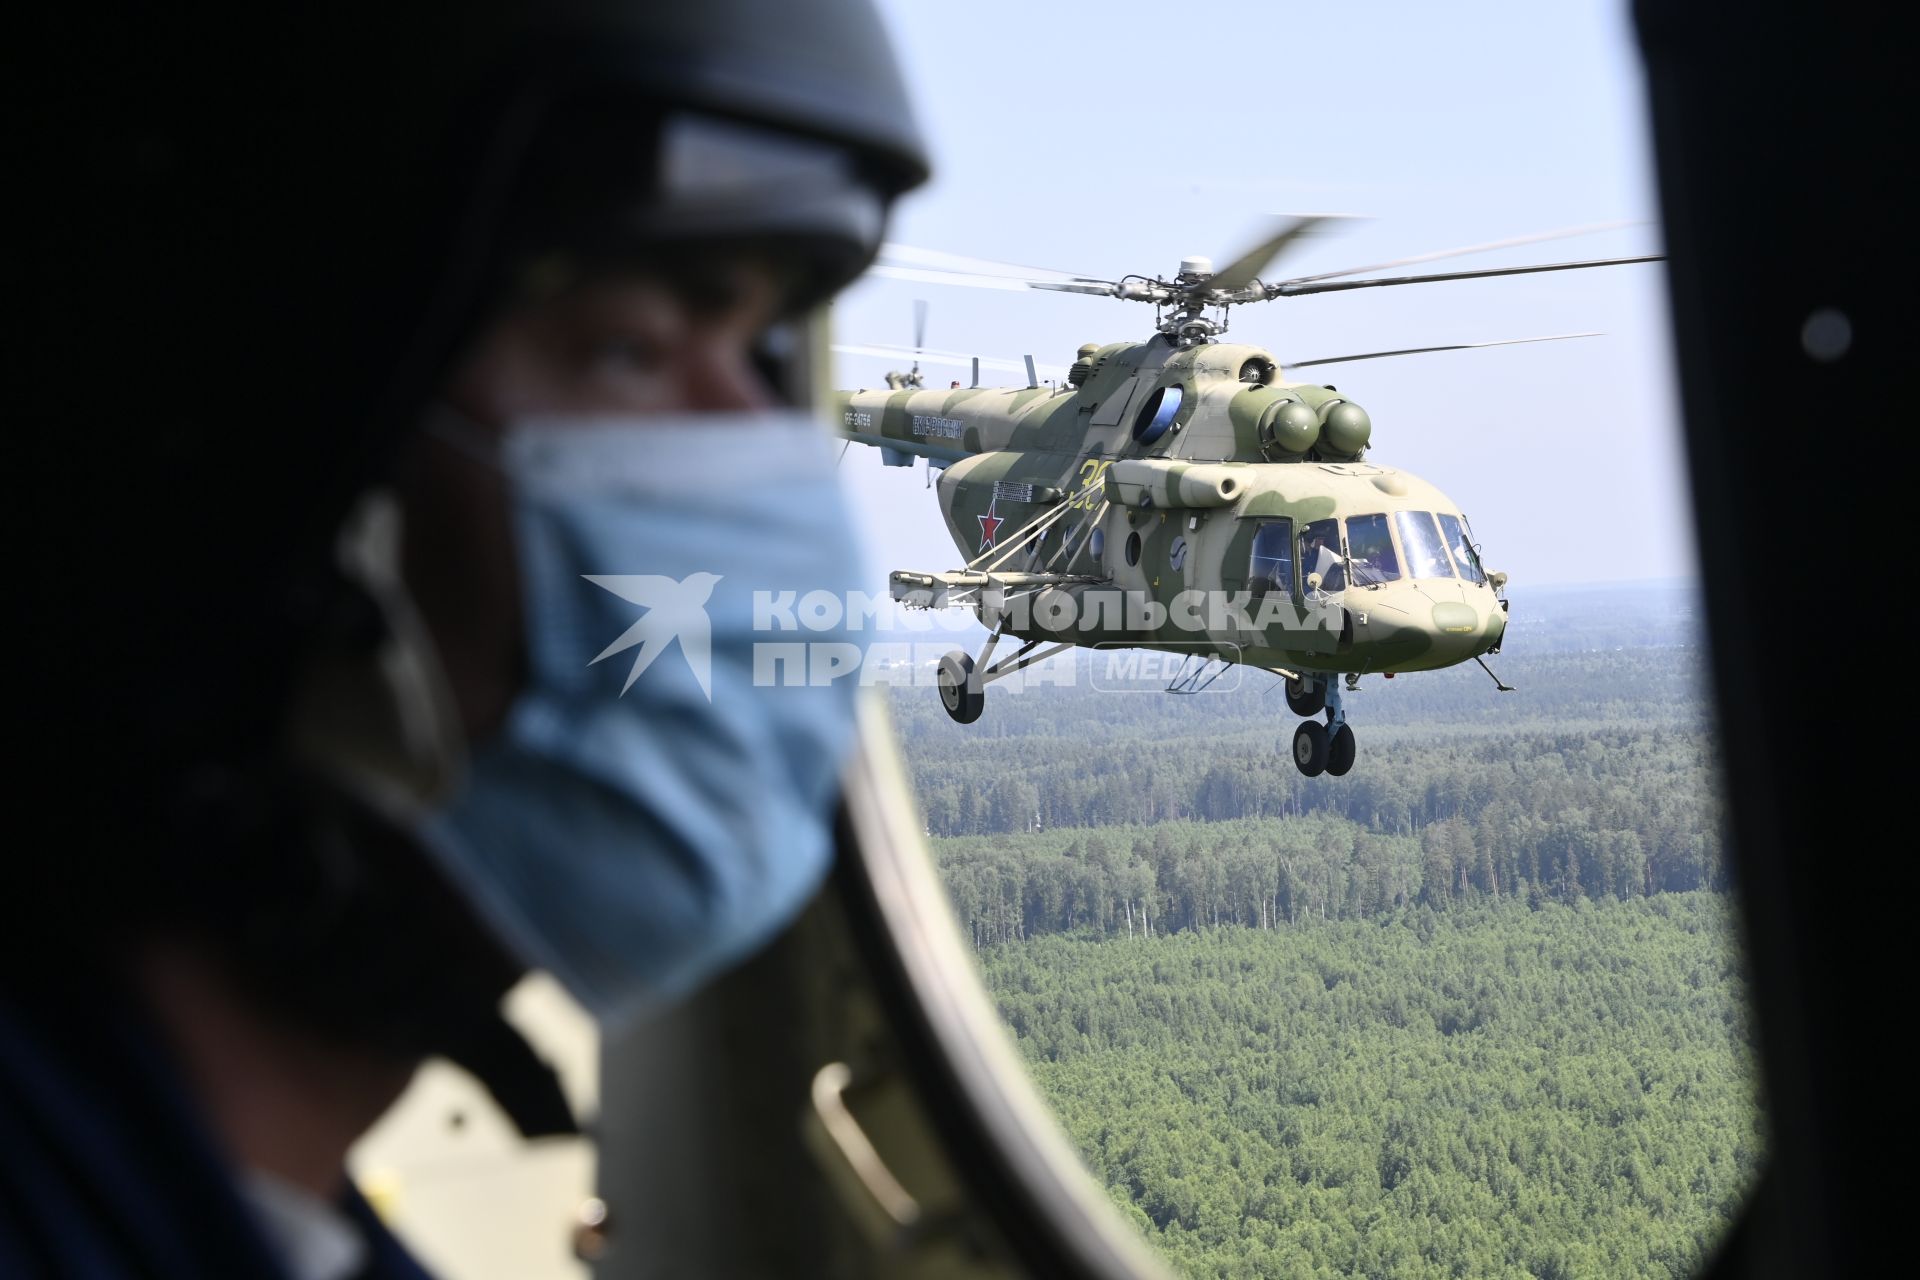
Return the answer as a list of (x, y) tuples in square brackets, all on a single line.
[(1180, 304), (1187, 325)]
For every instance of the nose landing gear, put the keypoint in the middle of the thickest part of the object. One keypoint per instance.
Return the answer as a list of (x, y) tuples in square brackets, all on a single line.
[(1319, 748)]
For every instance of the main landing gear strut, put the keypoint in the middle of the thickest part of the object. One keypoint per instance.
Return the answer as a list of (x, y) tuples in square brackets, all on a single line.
[(1319, 748), (963, 681)]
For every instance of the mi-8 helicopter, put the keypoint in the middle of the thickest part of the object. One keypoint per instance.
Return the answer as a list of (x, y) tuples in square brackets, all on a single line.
[(1181, 494)]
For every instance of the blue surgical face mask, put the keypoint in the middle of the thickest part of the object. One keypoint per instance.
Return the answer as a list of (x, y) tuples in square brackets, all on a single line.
[(660, 801)]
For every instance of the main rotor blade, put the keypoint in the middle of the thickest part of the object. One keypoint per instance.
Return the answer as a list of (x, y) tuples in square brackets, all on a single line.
[(1289, 290), (1564, 233), (1099, 288), (977, 280), (1417, 351), (1242, 270), (905, 255)]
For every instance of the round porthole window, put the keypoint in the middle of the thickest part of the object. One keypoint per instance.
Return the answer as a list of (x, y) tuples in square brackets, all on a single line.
[(1157, 414), (1097, 543), (1133, 549)]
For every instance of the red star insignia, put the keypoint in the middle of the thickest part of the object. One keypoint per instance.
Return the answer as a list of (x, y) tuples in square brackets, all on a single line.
[(990, 524)]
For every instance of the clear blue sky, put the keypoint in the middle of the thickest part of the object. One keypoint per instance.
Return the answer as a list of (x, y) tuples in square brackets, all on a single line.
[(1117, 137)]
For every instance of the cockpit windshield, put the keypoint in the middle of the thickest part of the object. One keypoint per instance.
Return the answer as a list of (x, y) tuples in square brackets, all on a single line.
[(1460, 543), (1320, 553), (1420, 539), (1370, 550)]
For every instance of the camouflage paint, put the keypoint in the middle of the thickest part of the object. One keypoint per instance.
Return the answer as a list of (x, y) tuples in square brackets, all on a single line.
[(1061, 442)]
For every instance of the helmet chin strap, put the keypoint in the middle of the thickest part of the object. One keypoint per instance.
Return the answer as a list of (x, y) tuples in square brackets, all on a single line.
[(375, 709), (374, 717)]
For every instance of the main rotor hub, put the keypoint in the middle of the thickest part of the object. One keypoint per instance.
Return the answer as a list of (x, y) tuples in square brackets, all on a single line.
[(1191, 330)]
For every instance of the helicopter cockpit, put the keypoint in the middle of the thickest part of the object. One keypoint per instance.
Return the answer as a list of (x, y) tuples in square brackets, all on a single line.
[(1320, 554), (1459, 539), (1420, 538), (1432, 546), (1370, 550)]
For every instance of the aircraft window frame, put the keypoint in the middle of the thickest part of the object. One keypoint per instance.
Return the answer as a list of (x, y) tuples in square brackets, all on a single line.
[(1328, 583), (1437, 552), (1361, 570), (1459, 539), (1254, 577), (1157, 414)]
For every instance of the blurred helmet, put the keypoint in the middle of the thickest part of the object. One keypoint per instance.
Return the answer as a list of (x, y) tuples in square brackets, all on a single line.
[(260, 235)]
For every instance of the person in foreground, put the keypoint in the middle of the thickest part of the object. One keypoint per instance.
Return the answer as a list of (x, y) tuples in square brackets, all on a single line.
[(418, 402)]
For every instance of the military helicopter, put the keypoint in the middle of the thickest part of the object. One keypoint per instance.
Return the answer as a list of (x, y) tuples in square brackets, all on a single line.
[(1181, 494)]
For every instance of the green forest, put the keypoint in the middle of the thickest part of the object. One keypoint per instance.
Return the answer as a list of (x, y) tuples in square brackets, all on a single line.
[(1473, 1010), (1495, 1091)]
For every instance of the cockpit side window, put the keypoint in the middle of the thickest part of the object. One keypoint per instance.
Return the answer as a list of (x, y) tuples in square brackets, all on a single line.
[(1460, 543), (1370, 550), (1271, 566), (1420, 537), (1320, 553)]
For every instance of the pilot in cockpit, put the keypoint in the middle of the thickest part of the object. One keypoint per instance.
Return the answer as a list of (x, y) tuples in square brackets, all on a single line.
[(1370, 550), (1320, 553)]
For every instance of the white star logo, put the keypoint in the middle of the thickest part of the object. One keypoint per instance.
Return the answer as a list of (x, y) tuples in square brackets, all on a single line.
[(675, 610)]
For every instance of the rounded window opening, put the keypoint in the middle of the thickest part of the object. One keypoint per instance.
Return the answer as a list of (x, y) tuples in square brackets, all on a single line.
[(1157, 414), (1133, 549)]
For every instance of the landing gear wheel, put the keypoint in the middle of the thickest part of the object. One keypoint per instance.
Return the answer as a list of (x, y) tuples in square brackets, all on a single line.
[(1310, 748), (1340, 751), (1306, 698), (960, 694)]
